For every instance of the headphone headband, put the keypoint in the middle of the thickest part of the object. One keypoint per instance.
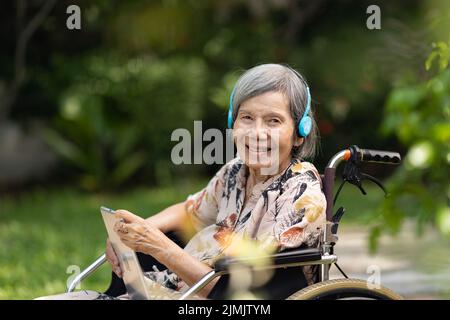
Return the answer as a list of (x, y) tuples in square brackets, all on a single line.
[(230, 109)]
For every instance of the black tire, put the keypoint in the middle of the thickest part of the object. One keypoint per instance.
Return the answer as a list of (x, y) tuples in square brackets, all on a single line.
[(344, 289)]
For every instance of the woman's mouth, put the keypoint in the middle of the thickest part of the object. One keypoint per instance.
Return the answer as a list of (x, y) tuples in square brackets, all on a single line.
[(258, 149)]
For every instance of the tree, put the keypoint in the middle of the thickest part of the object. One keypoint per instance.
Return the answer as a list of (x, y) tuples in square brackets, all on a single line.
[(10, 89)]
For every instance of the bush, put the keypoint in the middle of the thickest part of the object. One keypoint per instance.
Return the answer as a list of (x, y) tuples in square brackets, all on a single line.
[(117, 117), (418, 115)]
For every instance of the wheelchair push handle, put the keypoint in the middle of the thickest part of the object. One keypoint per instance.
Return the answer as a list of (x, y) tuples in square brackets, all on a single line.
[(388, 157), (378, 156), (356, 154)]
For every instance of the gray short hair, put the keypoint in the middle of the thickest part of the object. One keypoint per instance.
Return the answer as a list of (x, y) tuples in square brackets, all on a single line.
[(280, 78)]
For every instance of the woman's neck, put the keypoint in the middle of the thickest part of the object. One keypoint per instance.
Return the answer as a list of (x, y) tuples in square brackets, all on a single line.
[(255, 176)]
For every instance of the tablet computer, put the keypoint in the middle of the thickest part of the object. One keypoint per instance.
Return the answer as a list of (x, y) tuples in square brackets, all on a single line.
[(132, 274)]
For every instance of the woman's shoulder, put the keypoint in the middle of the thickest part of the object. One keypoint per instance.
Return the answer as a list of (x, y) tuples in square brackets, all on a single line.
[(303, 167), (232, 167), (304, 170)]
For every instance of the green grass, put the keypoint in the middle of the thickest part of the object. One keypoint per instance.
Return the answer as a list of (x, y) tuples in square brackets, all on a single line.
[(43, 232)]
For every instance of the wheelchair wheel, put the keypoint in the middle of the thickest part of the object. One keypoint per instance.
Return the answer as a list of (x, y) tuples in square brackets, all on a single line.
[(344, 289)]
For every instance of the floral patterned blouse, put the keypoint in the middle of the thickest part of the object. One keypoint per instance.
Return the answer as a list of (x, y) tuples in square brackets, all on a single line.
[(287, 210)]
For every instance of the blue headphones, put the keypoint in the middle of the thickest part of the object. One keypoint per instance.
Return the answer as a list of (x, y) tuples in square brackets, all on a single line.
[(304, 125)]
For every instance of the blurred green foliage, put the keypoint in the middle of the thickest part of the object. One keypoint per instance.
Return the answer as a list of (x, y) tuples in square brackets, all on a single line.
[(110, 94), (116, 116), (419, 116)]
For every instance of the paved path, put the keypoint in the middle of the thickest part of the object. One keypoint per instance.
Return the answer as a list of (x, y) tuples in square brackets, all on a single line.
[(415, 267)]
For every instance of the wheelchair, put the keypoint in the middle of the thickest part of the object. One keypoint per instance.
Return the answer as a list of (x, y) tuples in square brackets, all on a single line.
[(290, 262)]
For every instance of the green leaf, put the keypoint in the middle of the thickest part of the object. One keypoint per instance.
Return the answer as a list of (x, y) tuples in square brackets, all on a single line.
[(128, 167), (374, 237), (127, 139), (429, 61), (64, 147), (443, 220), (441, 51)]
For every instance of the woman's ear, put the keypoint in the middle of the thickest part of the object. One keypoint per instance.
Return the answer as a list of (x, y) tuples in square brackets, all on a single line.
[(298, 141)]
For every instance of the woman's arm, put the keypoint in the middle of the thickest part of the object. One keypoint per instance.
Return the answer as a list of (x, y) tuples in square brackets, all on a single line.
[(172, 218), (185, 266)]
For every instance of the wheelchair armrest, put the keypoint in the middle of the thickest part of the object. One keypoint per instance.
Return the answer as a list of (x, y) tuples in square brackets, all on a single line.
[(86, 272), (292, 257)]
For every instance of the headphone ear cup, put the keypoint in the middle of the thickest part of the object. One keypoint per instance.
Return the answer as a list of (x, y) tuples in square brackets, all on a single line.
[(304, 126), (230, 119)]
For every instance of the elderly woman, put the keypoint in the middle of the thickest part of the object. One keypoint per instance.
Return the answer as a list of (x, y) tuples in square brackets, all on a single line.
[(267, 194)]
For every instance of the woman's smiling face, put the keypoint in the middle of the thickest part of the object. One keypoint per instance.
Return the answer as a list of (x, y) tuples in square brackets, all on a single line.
[(264, 132)]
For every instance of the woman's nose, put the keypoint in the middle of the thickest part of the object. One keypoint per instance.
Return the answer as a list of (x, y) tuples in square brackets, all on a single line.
[(260, 127), (258, 132)]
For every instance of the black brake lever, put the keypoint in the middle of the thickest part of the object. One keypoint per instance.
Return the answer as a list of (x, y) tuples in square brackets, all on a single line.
[(359, 185), (336, 219), (353, 175), (376, 181)]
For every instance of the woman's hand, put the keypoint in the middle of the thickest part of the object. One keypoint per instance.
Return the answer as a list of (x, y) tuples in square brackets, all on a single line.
[(139, 234), (143, 236), (113, 259)]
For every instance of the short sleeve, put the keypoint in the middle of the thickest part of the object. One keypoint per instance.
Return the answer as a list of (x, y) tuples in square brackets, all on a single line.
[(203, 206), (301, 218)]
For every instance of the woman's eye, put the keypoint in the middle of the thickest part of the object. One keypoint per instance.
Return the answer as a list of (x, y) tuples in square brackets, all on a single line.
[(246, 117), (274, 121)]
